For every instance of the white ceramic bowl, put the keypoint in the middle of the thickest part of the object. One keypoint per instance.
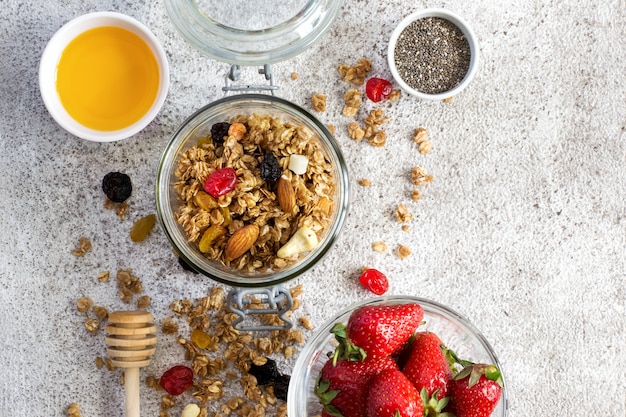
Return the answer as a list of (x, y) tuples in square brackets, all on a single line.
[(469, 35), (50, 60), (455, 331)]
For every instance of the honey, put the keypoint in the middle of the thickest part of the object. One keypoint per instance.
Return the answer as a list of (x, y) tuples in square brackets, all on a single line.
[(107, 78)]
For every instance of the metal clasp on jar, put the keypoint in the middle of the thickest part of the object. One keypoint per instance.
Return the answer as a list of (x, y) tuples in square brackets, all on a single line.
[(277, 300), (234, 74)]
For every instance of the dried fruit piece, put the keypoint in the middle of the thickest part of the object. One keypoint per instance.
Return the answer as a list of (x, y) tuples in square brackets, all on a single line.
[(374, 281), (218, 132), (270, 169), (142, 228), (210, 236), (266, 373), (241, 241), (280, 387), (177, 379), (378, 89), (204, 201), (237, 130), (220, 182), (200, 338), (117, 186)]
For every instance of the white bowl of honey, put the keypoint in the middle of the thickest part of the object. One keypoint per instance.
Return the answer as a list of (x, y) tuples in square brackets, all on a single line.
[(103, 76)]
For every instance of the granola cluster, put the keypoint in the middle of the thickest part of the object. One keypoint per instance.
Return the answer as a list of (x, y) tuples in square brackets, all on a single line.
[(254, 200)]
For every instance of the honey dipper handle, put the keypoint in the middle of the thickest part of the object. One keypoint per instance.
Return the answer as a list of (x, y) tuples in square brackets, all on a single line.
[(131, 386)]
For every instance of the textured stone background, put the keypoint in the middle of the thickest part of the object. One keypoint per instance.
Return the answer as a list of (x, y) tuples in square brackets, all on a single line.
[(523, 230)]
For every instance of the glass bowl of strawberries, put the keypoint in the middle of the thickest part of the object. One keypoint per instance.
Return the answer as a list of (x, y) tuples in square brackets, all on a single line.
[(397, 354)]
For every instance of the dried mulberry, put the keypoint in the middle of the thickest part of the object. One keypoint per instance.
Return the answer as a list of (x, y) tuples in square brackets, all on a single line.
[(266, 373), (280, 387), (117, 186), (218, 132), (270, 170)]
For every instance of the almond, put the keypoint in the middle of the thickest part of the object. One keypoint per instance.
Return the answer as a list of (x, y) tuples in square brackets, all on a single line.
[(241, 241), (286, 195)]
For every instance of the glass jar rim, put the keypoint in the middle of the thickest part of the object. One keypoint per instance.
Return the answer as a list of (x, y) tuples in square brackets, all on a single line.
[(253, 47)]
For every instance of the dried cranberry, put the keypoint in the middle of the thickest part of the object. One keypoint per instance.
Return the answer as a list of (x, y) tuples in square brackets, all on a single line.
[(374, 280), (266, 373), (218, 132), (177, 379), (378, 89), (220, 182), (117, 186), (270, 170)]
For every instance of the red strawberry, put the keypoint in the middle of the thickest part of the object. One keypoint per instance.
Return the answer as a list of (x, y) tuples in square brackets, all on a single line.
[(382, 330), (476, 390), (427, 365), (391, 394), (342, 385)]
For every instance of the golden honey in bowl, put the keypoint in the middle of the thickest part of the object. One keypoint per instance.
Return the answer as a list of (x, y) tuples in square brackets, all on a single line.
[(107, 78)]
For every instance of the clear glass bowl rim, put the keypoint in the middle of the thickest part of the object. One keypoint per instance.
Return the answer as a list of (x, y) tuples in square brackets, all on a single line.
[(177, 237), (299, 379), (211, 37)]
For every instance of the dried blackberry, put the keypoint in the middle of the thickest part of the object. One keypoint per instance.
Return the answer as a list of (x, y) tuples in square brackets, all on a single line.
[(117, 186), (265, 374), (218, 132), (280, 387), (270, 170)]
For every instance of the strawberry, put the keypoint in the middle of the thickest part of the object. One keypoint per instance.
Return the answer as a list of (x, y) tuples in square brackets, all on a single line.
[(427, 365), (476, 390), (391, 394), (342, 384), (382, 330)]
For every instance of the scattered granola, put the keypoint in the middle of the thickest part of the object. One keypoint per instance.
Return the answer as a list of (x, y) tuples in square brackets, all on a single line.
[(373, 121), (355, 132), (143, 302), (83, 304), (379, 139), (92, 325), (222, 380), (254, 201), (331, 129), (128, 285), (420, 136), (448, 99), (355, 74), (416, 195), (364, 182), (352, 100), (169, 326), (104, 276), (379, 246), (403, 252), (395, 95), (122, 210), (402, 214), (73, 410), (419, 176), (405, 228), (318, 102), (99, 362), (101, 312), (84, 246), (294, 76)]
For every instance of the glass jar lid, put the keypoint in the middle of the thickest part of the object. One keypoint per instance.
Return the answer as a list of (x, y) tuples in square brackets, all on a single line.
[(252, 33)]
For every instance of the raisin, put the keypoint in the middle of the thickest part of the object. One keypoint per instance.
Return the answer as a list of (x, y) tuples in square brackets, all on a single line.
[(177, 379), (218, 132), (280, 387), (142, 228), (270, 170), (266, 373), (117, 186), (220, 182), (200, 338), (186, 266)]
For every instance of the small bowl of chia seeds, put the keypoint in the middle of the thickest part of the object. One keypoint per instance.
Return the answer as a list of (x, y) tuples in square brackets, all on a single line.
[(433, 54)]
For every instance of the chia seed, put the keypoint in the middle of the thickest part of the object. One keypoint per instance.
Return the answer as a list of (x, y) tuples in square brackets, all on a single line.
[(432, 55)]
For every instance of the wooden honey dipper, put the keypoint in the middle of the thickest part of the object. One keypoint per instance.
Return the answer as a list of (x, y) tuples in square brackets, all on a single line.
[(131, 341)]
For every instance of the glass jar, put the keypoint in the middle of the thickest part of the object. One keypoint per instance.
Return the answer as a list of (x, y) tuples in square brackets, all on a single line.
[(251, 33)]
